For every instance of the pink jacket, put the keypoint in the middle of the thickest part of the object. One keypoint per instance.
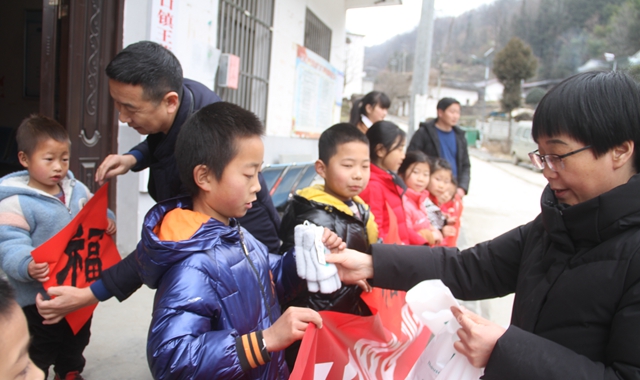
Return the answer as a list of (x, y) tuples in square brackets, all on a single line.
[(414, 209)]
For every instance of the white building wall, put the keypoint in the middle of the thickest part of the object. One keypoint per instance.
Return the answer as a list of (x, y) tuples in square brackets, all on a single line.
[(354, 66), (288, 32)]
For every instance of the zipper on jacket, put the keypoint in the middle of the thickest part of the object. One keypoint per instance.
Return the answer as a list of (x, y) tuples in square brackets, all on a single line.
[(255, 271)]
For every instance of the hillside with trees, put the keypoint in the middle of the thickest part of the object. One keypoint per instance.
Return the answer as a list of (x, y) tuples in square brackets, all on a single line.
[(562, 34)]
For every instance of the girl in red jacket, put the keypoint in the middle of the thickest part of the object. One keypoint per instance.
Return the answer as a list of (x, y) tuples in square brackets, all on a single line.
[(416, 171), (384, 192), (444, 205)]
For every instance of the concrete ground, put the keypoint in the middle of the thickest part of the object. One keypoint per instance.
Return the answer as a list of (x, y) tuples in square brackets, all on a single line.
[(501, 197)]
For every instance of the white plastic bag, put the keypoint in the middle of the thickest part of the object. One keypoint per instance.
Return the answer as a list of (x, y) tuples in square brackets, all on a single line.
[(430, 301)]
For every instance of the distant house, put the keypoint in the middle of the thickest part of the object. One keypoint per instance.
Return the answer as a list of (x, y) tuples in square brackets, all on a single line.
[(594, 65)]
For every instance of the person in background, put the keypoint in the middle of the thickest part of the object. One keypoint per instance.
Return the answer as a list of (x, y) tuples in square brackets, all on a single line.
[(344, 165), (574, 269), (384, 192), (368, 110), (442, 138), (152, 97), (415, 172), (36, 204), (15, 363)]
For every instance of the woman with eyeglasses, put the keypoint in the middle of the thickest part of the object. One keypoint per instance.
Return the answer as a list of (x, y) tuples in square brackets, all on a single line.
[(574, 269)]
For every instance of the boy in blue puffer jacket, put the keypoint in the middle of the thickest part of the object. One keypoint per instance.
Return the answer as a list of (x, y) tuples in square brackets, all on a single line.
[(35, 205), (216, 313)]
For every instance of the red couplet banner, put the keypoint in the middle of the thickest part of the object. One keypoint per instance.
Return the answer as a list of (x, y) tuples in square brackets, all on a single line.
[(79, 253), (383, 346)]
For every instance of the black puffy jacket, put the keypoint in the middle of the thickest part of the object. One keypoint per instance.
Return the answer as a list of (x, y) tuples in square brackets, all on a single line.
[(314, 205), (575, 272)]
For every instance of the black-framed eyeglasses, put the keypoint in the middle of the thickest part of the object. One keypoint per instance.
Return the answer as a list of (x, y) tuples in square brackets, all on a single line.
[(552, 161)]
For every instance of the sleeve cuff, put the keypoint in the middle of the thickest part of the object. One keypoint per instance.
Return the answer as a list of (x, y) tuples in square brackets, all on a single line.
[(138, 155), (252, 352), (100, 291)]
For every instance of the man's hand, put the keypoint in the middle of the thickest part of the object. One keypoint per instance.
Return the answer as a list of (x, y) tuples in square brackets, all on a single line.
[(67, 299), (114, 165), (290, 327), (352, 265), (39, 272), (111, 227), (478, 336), (461, 193), (333, 241)]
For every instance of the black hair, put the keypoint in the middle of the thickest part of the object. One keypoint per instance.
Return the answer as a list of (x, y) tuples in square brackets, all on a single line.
[(601, 109), (414, 157), (374, 98), (335, 136), (441, 164), (385, 133), (7, 298), (445, 103), (149, 65), (209, 137), (37, 128)]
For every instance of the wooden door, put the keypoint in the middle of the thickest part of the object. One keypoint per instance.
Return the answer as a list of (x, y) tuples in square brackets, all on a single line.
[(79, 38)]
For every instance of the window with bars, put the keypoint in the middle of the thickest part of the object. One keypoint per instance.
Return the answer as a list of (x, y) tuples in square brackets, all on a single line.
[(317, 35), (245, 30)]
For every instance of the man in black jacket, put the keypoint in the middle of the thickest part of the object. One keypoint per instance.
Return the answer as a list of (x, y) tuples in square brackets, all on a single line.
[(442, 138), (152, 97)]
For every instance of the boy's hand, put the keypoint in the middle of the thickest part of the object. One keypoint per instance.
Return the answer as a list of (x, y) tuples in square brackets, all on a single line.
[(111, 227), (448, 231), (67, 299), (290, 327), (39, 272), (352, 265), (333, 241)]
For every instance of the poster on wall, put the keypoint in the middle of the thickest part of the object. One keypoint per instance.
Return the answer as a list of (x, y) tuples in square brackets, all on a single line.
[(163, 20), (317, 94)]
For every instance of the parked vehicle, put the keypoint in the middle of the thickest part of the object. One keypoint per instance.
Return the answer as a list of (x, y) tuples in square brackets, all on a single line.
[(522, 143), (284, 179)]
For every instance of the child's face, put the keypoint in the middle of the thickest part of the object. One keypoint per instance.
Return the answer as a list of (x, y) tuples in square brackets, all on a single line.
[(347, 173), (232, 195), (448, 194), (47, 165), (14, 355), (439, 182), (417, 176), (393, 159)]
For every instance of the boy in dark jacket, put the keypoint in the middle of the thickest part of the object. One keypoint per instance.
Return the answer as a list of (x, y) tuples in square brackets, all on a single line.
[(344, 164), (216, 312)]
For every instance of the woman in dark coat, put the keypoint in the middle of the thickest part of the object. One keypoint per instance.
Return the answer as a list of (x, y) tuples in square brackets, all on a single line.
[(574, 269)]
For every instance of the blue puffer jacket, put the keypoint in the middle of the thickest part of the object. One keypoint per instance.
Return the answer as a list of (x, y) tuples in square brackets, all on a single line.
[(210, 293)]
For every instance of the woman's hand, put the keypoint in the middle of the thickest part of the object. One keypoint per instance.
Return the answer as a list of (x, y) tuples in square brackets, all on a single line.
[(478, 336), (353, 266)]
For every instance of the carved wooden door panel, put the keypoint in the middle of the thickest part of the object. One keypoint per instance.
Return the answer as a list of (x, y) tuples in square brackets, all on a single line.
[(80, 37)]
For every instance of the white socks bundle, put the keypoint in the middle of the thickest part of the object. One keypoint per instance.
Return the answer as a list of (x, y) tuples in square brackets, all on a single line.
[(310, 263)]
